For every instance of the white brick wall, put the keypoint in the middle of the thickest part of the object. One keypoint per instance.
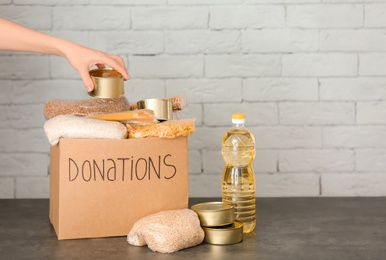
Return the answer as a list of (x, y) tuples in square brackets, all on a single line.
[(169, 17), (325, 16), (320, 65), (309, 74), (347, 40), (166, 66), (247, 16), (280, 40), (242, 65)]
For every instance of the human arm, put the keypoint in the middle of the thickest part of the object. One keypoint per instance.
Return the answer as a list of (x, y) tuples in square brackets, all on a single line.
[(15, 37)]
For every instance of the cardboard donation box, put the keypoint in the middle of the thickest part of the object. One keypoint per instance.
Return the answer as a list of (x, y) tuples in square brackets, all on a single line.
[(101, 187)]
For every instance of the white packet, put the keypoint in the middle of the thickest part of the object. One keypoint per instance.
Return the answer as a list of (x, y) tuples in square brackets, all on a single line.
[(70, 126)]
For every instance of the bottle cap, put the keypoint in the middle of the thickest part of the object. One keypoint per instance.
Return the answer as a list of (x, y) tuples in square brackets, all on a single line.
[(238, 118)]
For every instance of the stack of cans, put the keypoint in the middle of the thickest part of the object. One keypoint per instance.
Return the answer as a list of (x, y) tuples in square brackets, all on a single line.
[(218, 222)]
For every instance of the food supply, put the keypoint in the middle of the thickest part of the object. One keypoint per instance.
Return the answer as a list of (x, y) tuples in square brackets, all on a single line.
[(238, 179), (141, 116), (85, 107), (70, 126), (99, 187), (167, 231), (108, 83), (167, 129)]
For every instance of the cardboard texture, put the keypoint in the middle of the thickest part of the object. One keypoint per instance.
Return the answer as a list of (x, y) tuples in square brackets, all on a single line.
[(100, 187)]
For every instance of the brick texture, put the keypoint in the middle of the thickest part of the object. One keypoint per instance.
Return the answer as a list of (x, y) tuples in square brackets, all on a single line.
[(241, 17), (325, 16), (170, 17), (310, 75), (236, 65), (320, 65), (279, 40)]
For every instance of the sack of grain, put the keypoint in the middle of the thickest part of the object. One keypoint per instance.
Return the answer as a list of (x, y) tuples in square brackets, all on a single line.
[(85, 107), (167, 231)]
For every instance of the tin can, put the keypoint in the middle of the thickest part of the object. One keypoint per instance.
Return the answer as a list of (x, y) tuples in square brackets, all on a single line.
[(108, 83), (215, 214), (163, 108), (226, 235)]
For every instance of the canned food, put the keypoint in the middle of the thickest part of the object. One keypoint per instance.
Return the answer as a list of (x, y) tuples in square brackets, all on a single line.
[(226, 235), (108, 83), (215, 214), (163, 108)]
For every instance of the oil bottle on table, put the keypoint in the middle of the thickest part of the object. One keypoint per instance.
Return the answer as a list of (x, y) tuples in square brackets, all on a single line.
[(238, 179)]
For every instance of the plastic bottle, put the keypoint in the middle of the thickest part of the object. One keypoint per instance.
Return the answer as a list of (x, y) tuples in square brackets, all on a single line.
[(238, 180)]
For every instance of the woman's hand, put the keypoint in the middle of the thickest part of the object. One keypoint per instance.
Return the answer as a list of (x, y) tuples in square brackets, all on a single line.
[(16, 37), (83, 58)]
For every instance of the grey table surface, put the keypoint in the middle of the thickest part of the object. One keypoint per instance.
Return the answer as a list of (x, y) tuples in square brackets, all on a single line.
[(287, 228)]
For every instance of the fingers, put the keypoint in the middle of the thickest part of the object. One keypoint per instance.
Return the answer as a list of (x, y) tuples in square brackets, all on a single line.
[(87, 82), (102, 59), (122, 67), (118, 64), (111, 60)]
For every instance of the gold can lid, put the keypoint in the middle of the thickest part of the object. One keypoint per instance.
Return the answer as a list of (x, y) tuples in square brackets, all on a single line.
[(108, 83), (163, 108), (215, 214), (226, 235)]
